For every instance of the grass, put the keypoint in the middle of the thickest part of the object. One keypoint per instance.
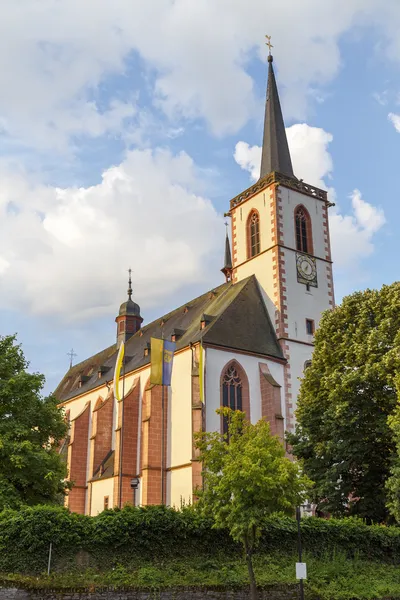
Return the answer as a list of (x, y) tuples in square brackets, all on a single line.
[(329, 578)]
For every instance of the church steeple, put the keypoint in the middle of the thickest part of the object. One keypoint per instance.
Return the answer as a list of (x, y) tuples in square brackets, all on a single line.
[(275, 149), (227, 268), (128, 320)]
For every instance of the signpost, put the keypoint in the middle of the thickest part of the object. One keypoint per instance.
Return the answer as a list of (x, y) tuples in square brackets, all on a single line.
[(301, 569)]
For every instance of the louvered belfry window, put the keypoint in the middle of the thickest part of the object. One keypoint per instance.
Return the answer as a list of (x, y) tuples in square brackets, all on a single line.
[(302, 229), (231, 392)]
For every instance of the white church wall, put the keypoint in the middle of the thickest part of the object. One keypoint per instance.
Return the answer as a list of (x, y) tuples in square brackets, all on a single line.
[(289, 200), (181, 486), (100, 489), (216, 360), (303, 304)]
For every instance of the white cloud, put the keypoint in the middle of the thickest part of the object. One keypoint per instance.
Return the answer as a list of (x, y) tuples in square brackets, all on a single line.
[(67, 250), (369, 217), (308, 149), (249, 158), (55, 54), (395, 120), (351, 234)]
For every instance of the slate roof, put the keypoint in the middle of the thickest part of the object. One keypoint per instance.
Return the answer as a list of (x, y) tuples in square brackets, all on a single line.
[(236, 318)]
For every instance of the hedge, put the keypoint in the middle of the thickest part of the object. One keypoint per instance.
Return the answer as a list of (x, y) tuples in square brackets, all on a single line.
[(136, 535)]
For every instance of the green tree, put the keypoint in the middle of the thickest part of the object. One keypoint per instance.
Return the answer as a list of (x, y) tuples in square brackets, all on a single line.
[(347, 394), (245, 480), (31, 427), (393, 483)]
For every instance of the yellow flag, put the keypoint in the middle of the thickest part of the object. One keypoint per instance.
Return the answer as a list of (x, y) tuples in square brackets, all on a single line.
[(156, 352), (117, 372), (201, 372)]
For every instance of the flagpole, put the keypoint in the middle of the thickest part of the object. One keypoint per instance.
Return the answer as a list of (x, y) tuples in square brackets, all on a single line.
[(121, 445), (162, 443)]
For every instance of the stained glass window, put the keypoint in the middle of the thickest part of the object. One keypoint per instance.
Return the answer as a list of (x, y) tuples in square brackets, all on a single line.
[(231, 392)]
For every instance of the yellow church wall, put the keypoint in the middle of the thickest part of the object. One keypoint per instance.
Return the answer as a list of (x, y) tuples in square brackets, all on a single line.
[(101, 489), (180, 486), (262, 265), (180, 420), (261, 203)]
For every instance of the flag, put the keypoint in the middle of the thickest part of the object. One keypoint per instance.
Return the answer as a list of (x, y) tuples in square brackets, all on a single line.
[(162, 356), (117, 372), (201, 372)]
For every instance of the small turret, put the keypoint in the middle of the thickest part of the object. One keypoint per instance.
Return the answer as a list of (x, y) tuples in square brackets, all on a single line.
[(227, 268), (128, 320)]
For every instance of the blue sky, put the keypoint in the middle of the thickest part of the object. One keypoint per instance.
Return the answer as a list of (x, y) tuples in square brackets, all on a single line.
[(126, 129)]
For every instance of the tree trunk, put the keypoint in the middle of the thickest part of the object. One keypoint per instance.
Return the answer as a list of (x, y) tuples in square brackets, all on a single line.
[(249, 561)]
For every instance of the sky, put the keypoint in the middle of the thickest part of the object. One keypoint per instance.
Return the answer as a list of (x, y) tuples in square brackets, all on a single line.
[(126, 127)]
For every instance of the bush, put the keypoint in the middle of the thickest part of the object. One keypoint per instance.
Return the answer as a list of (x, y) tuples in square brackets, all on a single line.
[(139, 536)]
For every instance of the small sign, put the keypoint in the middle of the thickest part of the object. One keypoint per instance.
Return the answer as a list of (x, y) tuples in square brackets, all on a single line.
[(301, 571)]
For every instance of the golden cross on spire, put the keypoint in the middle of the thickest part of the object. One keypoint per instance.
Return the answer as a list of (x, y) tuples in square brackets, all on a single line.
[(269, 43)]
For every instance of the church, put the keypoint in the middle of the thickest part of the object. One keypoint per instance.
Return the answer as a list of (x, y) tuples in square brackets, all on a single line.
[(244, 344)]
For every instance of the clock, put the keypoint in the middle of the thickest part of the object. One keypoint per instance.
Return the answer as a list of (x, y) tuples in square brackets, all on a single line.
[(306, 269)]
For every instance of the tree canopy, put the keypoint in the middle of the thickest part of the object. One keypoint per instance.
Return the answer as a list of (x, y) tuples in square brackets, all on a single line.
[(246, 478), (31, 427), (348, 392)]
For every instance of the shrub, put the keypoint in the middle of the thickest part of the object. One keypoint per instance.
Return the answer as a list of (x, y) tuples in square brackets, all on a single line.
[(139, 536)]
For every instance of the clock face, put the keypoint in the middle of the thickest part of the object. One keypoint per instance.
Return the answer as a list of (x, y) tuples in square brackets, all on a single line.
[(306, 269)]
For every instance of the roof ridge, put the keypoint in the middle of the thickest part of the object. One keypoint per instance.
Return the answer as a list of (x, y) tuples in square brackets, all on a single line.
[(181, 307)]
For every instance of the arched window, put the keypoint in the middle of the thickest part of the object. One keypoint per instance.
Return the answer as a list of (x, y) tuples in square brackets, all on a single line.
[(253, 234), (303, 230), (231, 392), (235, 392)]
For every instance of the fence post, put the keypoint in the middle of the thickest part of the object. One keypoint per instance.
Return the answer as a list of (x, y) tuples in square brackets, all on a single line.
[(49, 563)]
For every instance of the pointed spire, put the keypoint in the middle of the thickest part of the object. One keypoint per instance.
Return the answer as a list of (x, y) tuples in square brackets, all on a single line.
[(227, 269), (275, 149)]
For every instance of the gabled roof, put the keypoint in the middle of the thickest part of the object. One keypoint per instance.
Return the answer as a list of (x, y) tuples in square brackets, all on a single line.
[(237, 319)]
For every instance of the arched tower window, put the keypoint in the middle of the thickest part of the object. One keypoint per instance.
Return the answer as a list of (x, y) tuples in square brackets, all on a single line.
[(253, 234), (234, 391), (303, 230)]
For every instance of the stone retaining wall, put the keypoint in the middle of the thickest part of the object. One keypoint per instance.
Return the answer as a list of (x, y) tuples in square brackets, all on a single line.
[(275, 593)]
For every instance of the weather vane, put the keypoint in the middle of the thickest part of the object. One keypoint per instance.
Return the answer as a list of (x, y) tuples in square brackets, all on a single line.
[(130, 283), (71, 355), (269, 43)]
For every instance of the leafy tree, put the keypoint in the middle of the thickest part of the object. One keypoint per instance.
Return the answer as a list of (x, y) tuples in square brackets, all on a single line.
[(393, 483), (347, 394), (246, 479), (31, 427)]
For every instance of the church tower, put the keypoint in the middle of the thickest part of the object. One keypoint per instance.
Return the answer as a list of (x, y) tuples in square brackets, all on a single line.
[(280, 233)]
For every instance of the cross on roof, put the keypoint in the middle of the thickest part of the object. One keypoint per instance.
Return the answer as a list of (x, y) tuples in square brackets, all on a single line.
[(71, 355), (269, 43)]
